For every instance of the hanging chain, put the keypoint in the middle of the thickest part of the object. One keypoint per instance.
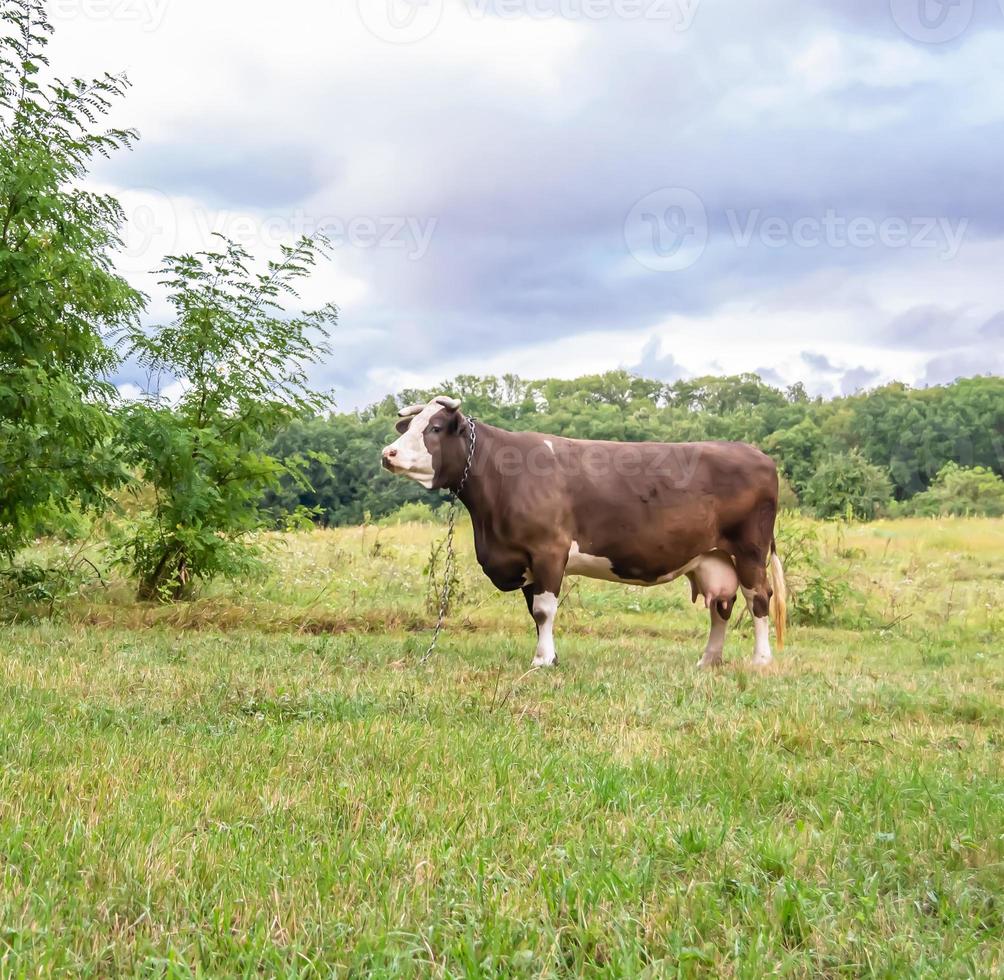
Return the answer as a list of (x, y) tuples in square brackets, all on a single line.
[(450, 562), (448, 567)]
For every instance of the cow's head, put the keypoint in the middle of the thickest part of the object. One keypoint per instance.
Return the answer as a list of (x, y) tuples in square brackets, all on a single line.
[(431, 448)]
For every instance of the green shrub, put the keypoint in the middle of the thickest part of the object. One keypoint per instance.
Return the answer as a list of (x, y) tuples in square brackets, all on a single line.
[(966, 491), (243, 359), (818, 590), (415, 512), (847, 485)]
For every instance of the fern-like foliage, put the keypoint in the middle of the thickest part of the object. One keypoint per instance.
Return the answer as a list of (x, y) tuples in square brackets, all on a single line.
[(241, 360)]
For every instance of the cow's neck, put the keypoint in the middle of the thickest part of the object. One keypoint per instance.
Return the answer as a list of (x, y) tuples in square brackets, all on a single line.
[(480, 491)]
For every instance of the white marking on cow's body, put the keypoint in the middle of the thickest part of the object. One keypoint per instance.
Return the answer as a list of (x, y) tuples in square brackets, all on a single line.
[(596, 566), (761, 634), (527, 577), (716, 641), (545, 606), (589, 566), (412, 458), (550, 445)]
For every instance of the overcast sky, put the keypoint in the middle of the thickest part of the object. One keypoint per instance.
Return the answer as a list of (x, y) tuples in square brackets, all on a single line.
[(809, 189)]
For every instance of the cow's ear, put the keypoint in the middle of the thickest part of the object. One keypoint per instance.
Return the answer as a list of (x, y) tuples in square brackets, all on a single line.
[(402, 425)]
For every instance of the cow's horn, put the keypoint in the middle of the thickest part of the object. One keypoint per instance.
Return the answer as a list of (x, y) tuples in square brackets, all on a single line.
[(406, 413), (451, 403)]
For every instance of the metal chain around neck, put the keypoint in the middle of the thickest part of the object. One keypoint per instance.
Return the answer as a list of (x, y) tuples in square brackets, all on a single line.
[(450, 562), (470, 458)]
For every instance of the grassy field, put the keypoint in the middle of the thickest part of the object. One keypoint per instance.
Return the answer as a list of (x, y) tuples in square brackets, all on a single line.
[(267, 781)]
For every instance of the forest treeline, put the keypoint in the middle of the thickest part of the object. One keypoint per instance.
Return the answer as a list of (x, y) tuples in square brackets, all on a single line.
[(893, 449)]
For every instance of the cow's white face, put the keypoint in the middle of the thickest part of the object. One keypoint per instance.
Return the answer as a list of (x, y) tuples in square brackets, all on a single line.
[(409, 455)]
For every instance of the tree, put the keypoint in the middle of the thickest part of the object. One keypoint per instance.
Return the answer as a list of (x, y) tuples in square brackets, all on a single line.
[(59, 295), (797, 449), (846, 484), (242, 361), (963, 491), (914, 432)]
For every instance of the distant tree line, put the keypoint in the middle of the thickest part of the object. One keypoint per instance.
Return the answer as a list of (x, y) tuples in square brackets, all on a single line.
[(858, 456)]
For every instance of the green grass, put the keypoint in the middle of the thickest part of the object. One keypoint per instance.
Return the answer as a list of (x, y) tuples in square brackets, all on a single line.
[(266, 781)]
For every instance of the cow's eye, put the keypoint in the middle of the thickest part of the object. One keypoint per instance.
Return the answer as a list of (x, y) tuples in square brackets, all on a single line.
[(436, 428)]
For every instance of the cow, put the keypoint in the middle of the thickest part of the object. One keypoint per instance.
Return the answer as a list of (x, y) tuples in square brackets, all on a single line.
[(640, 513)]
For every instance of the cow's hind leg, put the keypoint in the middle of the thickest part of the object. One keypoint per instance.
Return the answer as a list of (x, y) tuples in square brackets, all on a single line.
[(757, 593), (542, 601), (716, 639), (751, 551), (761, 628)]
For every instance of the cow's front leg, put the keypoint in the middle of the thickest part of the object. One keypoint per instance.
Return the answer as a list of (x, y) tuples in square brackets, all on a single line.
[(542, 601)]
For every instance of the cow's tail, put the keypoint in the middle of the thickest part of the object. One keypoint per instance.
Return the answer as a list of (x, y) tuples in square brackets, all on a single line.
[(779, 598)]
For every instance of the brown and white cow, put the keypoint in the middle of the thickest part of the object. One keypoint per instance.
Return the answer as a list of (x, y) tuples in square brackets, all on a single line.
[(640, 513)]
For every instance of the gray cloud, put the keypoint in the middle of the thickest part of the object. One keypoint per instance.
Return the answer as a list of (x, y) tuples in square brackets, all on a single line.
[(653, 364), (819, 362), (771, 377), (224, 170), (993, 329), (929, 328), (857, 379), (947, 367)]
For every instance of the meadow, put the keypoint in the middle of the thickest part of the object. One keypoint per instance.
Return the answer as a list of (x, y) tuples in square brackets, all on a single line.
[(268, 780)]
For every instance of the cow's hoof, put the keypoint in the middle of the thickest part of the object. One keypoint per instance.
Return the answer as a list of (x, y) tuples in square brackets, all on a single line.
[(706, 663), (540, 662), (762, 661)]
